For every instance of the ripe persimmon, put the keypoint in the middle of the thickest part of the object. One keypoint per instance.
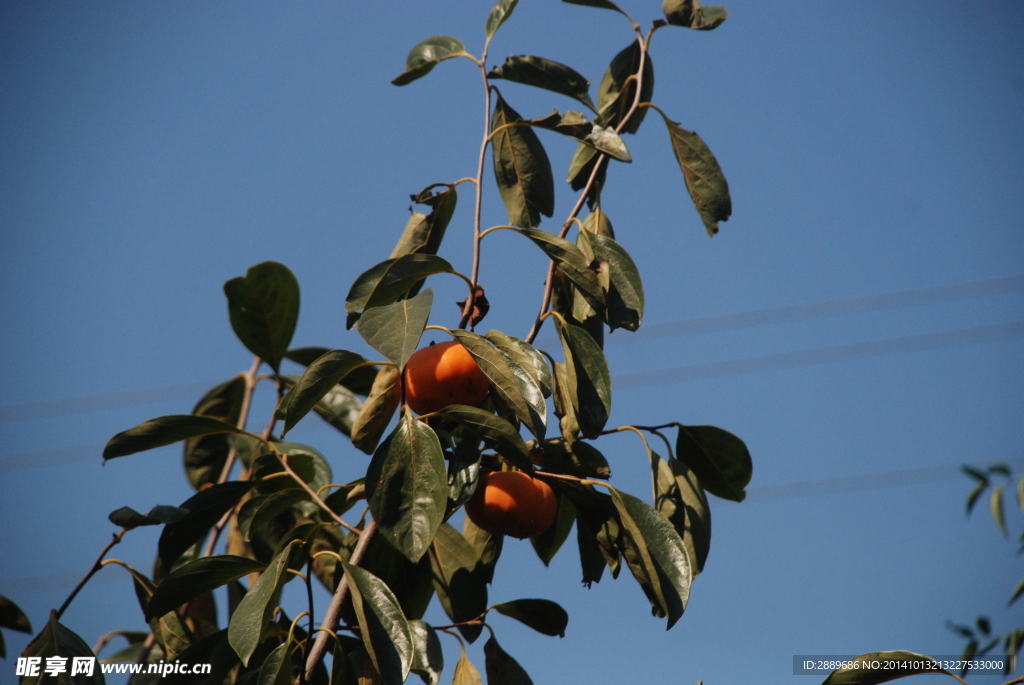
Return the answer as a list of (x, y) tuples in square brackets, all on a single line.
[(512, 503), (443, 374)]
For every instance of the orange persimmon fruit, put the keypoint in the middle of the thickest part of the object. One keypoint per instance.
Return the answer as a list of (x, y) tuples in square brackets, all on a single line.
[(512, 503), (443, 374)]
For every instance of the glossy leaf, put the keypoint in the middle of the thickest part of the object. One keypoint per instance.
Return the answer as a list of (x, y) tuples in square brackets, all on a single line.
[(384, 629), (670, 574), (264, 307), (527, 356), (358, 380), (510, 381), (625, 297), (704, 178), (319, 379), (276, 669), (521, 169), (340, 406), (463, 476), (572, 457), (588, 378), (377, 287), (547, 544), (407, 487), (679, 497), (425, 55), (395, 330), (427, 655), (205, 455), (495, 431), (718, 458), (379, 407), (128, 518), (690, 14), (575, 125), (412, 583), (885, 671), (615, 96), (252, 619), (547, 74), (501, 668), (196, 578), (487, 546), (206, 507), (465, 672), (572, 262), (602, 4), (500, 13), (258, 512), (164, 430), (307, 463), (542, 615), (58, 641), (459, 579), (423, 233)]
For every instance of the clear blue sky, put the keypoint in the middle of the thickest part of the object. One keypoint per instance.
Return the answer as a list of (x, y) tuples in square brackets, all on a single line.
[(150, 151)]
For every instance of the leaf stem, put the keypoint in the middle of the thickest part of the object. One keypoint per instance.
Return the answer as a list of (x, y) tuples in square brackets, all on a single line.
[(316, 498), (602, 158), (340, 594), (96, 566)]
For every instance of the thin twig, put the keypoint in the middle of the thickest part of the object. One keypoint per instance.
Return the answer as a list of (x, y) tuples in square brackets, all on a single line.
[(97, 565), (340, 594), (316, 499)]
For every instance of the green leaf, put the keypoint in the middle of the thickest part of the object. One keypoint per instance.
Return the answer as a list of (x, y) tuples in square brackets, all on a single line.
[(974, 473), (264, 307), (128, 518), (615, 97), (463, 476), (704, 178), (258, 512), (690, 14), (626, 295), (425, 55), (547, 74), (57, 641), (542, 615), (718, 458), (589, 379), (339, 407), (598, 222), (500, 13), (11, 616), (521, 169), (390, 280), (427, 655), (580, 168), (501, 668), (164, 430), (526, 355), (547, 544), (277, 668), (496, 432), (602, 4), (511, 382), (306, 462), (407, 487), (378, 409), (997, 509), (486, 545), (572, 262), (1017, 592), (206, 507), (679, 497), (395, 330), (205, 455), (384, 628), (671, 565), (460, 579), (465, 672), (572, 457), (974, 495), (358, 380), (424, 232), (252, 619), (412, 583), (864, 675), (196, 578), (575, 125), (319, 379)]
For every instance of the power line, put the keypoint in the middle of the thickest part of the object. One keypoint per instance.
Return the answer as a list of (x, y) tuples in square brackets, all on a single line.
[(822, 355), (904, 298)]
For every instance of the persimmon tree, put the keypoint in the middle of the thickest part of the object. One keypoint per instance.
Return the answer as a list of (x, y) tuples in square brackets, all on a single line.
[(271, 516)]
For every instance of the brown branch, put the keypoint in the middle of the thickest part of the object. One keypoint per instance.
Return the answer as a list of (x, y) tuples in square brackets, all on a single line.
[(97, 565), (467, 311)]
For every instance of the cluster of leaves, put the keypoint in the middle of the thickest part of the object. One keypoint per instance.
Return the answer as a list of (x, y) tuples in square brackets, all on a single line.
[(979, 638), (281, 516)]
